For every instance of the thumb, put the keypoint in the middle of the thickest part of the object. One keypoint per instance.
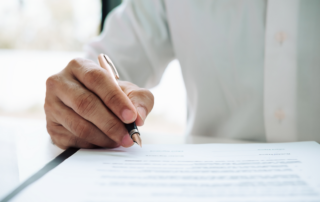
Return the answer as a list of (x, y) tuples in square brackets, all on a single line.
[(142, 115), (141, 98)]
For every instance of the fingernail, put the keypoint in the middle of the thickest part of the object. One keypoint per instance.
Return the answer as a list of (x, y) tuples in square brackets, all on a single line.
[(142, 112), (127, 141), (128, 115)]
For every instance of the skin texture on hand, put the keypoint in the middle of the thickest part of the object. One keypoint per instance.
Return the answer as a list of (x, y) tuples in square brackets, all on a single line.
[(85, 108)]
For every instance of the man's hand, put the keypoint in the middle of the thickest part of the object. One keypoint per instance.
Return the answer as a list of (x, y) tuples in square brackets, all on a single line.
[(85, 108)]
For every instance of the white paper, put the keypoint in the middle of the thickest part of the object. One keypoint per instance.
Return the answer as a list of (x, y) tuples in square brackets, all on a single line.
[(9, 173), (207, 172)]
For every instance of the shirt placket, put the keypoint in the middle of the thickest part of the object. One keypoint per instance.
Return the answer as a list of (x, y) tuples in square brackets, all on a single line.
[(280, 69)]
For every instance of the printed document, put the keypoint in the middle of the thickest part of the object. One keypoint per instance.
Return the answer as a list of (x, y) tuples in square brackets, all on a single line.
[(205, 172)]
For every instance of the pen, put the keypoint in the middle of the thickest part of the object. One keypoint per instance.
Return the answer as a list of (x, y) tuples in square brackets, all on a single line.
[(107, 64)]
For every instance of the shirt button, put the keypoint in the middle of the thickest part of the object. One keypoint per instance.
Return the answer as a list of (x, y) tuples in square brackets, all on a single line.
[(279, 114), (281, 37)]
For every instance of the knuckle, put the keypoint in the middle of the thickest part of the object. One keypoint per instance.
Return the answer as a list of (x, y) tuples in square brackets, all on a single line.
[(69, 121), (47, 107), (94, 77), (51, 131), (68, 141), (85, 104), (53, 81), (76, 62), (83, 131), (112, 96), (112, 129)]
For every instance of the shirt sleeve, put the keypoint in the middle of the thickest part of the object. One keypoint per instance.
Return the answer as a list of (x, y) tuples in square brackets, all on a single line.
[(137, 39)]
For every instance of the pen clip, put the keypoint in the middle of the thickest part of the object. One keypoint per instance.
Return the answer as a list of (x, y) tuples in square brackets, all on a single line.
[(115, 72)]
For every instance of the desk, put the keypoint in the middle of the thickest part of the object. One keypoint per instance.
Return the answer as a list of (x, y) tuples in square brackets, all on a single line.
[(25, 147)]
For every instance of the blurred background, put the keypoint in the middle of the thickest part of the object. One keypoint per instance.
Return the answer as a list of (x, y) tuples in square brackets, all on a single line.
[(39, 37)]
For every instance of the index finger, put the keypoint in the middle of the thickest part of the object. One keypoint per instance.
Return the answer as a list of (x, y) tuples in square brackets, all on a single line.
[(102, 83)]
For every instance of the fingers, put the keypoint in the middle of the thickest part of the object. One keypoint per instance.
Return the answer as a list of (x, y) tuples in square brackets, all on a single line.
[(99, 81), (85, 107), (79, 127), (142, 99), (88, 117), (64, 139)]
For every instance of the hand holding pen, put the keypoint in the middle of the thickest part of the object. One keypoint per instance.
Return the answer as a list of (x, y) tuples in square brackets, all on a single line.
[(86, 108), (106, 63)]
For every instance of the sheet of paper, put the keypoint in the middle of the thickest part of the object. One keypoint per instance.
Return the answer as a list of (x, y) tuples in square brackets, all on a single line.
[(9, 173), (207, 172)]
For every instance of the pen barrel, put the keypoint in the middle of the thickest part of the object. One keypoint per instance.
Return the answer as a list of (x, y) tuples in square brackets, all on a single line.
[(132, 128)]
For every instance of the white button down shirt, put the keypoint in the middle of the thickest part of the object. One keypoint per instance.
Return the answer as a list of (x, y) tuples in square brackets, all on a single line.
[(251, 68)]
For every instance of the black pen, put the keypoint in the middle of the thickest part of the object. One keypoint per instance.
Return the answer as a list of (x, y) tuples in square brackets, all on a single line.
[(132, 128)]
